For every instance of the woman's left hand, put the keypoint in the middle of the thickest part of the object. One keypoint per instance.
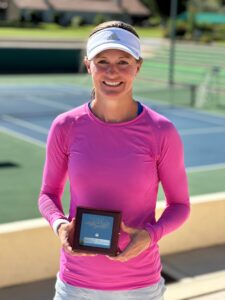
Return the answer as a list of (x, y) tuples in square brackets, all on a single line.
[(140, 241)]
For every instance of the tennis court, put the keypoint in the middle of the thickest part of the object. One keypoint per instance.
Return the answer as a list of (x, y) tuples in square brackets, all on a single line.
[(197, 66), (27, 110), (29, 103)]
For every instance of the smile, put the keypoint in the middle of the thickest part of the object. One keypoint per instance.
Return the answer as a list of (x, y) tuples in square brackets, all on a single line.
[(109, 83)]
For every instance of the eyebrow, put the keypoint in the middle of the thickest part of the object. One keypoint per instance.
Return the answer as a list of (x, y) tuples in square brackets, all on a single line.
[(125, 56)]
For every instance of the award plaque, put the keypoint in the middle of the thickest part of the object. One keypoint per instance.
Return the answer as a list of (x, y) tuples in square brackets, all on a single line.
[(97, 231)]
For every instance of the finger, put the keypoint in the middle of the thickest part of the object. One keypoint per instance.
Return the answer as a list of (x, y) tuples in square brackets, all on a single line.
[(133, 249), (70, 231), (67, 248), (68, 226), (71, 225), (71, 251), (113, 257), (127, 229), (126, 255), (77, 253), (119, 258)]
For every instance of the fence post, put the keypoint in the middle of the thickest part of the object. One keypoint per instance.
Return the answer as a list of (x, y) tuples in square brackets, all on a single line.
[(193, 94)]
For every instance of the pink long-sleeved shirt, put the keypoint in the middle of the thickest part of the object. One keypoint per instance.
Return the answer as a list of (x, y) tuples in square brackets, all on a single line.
[(115, 166)]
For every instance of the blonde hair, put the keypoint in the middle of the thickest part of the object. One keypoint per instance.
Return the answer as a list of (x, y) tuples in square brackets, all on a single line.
[(117, 24)]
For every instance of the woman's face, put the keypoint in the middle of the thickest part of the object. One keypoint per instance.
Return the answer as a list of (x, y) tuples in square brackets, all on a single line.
[(113, 73)]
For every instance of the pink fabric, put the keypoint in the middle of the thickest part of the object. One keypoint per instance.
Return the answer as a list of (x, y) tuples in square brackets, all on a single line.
[(115, 166)]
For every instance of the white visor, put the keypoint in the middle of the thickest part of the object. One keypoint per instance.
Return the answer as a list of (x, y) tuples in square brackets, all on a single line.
[(113, 38)]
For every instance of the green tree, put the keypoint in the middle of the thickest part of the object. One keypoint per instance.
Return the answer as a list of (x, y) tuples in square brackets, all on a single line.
[(206, 5), (193, 8)]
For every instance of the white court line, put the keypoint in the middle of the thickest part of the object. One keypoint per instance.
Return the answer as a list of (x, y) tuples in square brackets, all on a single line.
[(43, 101), (22, 137), (25, 124), (195, 131), (74, 90), (211, 167)]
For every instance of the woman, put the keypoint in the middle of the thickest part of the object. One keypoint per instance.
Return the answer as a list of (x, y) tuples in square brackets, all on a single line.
[(115, 151)]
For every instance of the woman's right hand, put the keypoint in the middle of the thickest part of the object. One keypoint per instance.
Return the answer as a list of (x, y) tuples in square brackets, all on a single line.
[(66, 233)]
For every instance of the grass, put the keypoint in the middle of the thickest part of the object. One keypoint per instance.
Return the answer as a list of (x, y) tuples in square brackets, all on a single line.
[(54, 31), (49, 31)]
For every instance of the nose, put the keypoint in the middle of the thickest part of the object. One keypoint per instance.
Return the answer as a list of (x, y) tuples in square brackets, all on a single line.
[(111, 69)]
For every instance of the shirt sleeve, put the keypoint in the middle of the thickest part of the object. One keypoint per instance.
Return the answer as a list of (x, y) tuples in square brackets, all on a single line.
[(172, 174), (54, 174), (57, 223)]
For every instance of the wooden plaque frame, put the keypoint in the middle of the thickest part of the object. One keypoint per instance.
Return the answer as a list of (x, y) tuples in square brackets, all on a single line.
[(90, 225)]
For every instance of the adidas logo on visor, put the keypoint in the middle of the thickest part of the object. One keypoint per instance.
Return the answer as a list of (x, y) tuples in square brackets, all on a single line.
[(113, 37)]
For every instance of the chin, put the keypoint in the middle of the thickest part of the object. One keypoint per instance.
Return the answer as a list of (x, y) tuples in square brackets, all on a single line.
[(113, 94)]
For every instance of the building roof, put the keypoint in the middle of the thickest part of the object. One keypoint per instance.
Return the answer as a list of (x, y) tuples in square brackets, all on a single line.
[(135, 7), (132, 7), (85, 6), (3, 4), (31, 4)]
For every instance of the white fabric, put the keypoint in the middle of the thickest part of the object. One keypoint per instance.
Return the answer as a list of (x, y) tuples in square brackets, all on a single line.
[(57, 223), (113, 38), (65, 291)]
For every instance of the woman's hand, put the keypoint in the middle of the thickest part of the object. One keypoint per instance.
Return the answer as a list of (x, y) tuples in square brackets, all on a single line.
[(140, 241), (66, 233)]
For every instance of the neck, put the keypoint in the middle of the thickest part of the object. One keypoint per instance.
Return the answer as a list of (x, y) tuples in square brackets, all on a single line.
[(114, 111)]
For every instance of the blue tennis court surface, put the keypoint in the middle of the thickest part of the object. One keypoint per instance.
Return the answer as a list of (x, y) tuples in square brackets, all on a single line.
[(27, 111)]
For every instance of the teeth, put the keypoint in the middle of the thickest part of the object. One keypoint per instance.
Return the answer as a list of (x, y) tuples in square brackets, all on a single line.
[(112, 83)]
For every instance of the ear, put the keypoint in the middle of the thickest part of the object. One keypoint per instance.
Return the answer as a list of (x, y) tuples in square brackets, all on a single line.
[(87, 64), (139, 64)]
